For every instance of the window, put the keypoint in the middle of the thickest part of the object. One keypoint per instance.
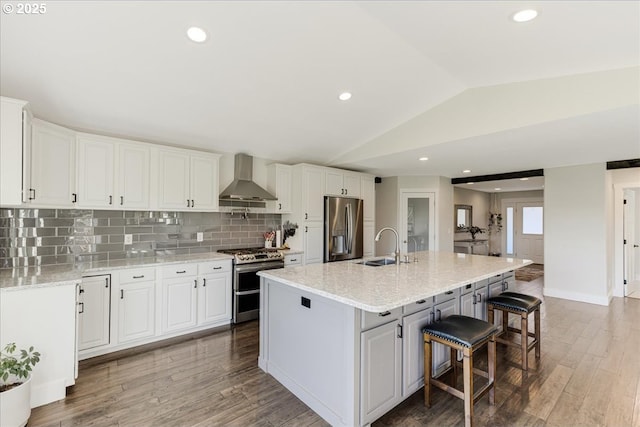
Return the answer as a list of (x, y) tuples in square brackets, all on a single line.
[(532, 220), (510, 230)]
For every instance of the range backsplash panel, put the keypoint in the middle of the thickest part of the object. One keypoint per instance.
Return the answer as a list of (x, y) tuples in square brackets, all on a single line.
[(32, 237)]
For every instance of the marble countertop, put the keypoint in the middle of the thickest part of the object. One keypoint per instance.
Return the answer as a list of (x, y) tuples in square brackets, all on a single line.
[(58, 275), (379, 289)]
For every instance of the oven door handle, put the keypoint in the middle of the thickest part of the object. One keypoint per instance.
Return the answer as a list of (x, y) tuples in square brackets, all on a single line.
[(257, 291), (250, 268)]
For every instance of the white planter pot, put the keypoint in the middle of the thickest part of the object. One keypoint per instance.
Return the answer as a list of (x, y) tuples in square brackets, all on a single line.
[(15, 405)]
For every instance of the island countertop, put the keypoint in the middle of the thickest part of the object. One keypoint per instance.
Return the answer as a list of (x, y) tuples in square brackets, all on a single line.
[(378, 289)]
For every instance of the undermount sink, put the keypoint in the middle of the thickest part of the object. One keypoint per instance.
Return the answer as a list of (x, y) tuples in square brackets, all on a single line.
[(378, 262)]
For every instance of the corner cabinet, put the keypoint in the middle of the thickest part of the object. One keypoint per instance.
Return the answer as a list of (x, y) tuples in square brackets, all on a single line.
[(53, 165), (187, 180), (15, 152)]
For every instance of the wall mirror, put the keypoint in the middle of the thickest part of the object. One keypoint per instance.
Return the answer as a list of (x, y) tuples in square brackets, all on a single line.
[(463, 215)]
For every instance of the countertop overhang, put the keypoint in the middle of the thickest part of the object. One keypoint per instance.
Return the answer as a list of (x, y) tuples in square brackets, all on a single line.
[(378, 289)]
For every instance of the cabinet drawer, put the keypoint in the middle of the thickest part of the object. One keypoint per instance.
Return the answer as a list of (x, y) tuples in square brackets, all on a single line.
[(213, 267), (496, 278), (466, 289), (371, 320), (508, 274), (137, 275), (179, 270), (292, 259), (414, 307), (446, 296)]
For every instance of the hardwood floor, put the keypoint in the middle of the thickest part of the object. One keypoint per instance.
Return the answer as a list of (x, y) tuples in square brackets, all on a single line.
[(588, 375)]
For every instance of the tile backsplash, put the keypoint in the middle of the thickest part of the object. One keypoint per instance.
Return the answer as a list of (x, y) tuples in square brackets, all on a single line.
[(31, 237)]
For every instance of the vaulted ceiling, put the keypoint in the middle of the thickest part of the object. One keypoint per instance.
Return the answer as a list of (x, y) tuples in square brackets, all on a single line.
[(458, 82)]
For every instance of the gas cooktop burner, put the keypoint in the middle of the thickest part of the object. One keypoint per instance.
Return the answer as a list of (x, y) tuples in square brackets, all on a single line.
[(248, 255)]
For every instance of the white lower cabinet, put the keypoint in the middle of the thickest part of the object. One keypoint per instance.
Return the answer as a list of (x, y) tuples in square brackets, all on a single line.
[(94, 300), (413, 350), (473, 300), (291, 260), (441, 353), (136, 310), (214, 293), (381, 367), (179, 297)]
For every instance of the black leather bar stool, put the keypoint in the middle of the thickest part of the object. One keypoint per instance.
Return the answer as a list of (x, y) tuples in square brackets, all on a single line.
[(465, 334), (522, 305)]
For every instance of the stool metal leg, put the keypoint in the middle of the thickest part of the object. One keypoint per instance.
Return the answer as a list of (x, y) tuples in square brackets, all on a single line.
[(428, 370), (467, 368), (524, 331), (536, 320)]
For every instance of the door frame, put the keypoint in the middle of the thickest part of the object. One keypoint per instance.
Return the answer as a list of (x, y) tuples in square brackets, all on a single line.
[(404, 194), (504, 203), (618, 237)]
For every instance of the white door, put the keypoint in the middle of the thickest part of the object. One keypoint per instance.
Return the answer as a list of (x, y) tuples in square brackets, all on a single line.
[(313, 194), (417, 226), (214, 298), (631, 245), (442, 353), (133, 176), (413, 351), (283, 188), (179, 303), (530, 231)]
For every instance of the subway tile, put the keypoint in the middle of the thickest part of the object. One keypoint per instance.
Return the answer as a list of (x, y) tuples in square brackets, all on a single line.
[(75, 213), (116, 238), (239, 235), (167, 245), (83, 249), (7, 232), (52, 222), (91, 257), (8, 222), (108, 247), (108, 214), (82, 231), (34, 232), (25, 222), (64, 250), (35, 213), (65, 231), (152, 237), (187, 243), (137, 230), (199, 250), (165, 229), (118, 222), (108, 230), (7, 213)]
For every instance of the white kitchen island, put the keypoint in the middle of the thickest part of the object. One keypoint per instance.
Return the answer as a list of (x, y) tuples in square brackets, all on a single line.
[(345, 338)]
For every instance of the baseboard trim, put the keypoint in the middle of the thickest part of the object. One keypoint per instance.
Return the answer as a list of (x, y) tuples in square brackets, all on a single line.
[(576, 296)]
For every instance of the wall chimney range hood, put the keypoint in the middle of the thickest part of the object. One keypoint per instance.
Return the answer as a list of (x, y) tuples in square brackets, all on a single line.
[(242, 187)]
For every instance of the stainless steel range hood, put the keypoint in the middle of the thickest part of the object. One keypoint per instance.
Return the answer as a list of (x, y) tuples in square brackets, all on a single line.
[(242, 187)]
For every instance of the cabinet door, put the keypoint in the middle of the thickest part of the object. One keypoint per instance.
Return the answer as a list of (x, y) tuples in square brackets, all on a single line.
[(413, 350), (312, 193), (173, 180), (93, 317), (467, 304), (481, 302), (334, 183), (15, 152), (214, 298), (368, 195), (53, 165), (179, 303), (351, 184), (369, 233), (313, 242), (441, 353), (283, 188), (204, 182), (381, 371), (136, 311), (95, 172), (133, 176)]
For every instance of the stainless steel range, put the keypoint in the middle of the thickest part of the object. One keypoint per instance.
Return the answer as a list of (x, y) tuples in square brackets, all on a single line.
[(246, 283)]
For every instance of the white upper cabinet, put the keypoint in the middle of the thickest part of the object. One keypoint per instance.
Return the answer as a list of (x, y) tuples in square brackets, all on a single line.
[(15, 147), (132, 174), (279, 184), (368, 196), (112, 173), (342, 183), (53, 165), (187, 180), (95, 172), (312, 193)]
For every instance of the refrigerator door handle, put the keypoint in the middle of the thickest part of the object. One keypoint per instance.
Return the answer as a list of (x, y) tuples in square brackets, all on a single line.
[(349, 224)]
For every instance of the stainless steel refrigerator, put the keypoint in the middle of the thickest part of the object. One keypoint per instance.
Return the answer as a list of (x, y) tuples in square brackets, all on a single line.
[(342, 228)]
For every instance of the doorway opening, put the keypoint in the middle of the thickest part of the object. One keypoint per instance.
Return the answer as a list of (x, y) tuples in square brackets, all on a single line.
[(631, 242), (417, 221)]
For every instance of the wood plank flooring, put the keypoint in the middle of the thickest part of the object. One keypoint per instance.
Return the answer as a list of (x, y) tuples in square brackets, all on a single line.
[(588, 375)]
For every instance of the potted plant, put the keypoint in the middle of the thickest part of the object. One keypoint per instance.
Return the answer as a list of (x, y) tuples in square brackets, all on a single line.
[(15, 384)]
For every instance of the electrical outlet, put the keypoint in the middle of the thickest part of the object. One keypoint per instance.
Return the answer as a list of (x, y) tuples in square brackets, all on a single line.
[(199, 236), (128, 239)]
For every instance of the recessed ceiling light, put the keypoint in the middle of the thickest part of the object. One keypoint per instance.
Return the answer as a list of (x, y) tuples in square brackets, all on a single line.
[(423, 159), (344, 96), (524, 179), (497, 188), (466, 171), (525, 15), (196, 34)]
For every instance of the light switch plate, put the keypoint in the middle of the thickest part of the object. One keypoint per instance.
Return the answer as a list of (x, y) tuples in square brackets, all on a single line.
[(199, 236), (128, 239)]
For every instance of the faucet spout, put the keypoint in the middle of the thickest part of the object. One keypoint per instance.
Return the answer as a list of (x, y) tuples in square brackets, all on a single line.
[(397, 251)]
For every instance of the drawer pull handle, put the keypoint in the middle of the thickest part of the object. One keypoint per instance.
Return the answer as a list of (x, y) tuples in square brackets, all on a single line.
[(294, 259), (121, 294), (138, 277), (399, 330), (421, 301), (81, 304), (121, 200), (385, 313), (204, 282), (217, 268), (448, 293), (195, 283), (181, 272)]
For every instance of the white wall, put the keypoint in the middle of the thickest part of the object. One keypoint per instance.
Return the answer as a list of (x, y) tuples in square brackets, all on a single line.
[(575, 239), (480, 202), (386, 213)]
